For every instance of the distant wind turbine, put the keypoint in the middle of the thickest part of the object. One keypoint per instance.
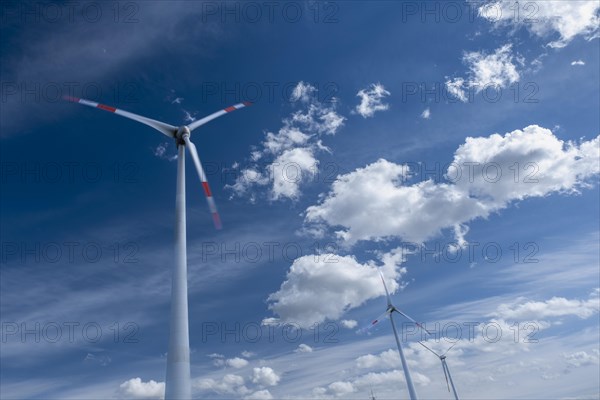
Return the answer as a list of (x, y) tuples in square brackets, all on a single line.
[(391, 308), (445, 368), (178, 384)]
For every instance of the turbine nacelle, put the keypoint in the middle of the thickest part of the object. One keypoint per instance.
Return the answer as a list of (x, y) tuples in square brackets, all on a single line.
[(181, 133)]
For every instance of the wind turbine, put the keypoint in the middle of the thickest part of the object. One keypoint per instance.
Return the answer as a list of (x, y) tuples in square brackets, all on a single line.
[(445, 368), (178, 357), (391, 308)]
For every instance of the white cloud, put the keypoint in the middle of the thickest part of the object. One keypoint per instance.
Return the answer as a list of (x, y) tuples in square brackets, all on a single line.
[(248, 354), (187, 117), (582, 358), (381, 379), (289, 169), (456, 88), (236, 362), (230, 384), (161, 152), (177, 100), (385, 359), (578, 62), (341, 388), (544, 19), (546, 164), (554, 307), (320, 287), (495, 70), (349, 323), (426, 114), (270, 322), (303, 92), (371, 100), (265, 376), (303, 348), (288, 157), (259, 395), (135, 388), (371, 203)]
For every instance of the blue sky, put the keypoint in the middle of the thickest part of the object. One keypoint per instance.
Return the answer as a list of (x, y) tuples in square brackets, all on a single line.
[(370, 103)]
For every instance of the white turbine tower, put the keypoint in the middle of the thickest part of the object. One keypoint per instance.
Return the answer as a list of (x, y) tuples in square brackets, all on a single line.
[(445, 368), (178, 384), (391, 308)]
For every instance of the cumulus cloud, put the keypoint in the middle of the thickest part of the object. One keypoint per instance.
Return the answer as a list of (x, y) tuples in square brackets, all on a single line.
[(582, 358), (389, 377), (426, 114), (288, 158), (371, 203), (368, 381), (578, 62), (303, 348), (341, 388), (259, 395), (349, 323), (486, 175), (385, 359), (554, 307), (230, 384), (496, 70), (220, 361), (565, 19), (372, 100), (135, 388), (236, 362), (323, 287), (265, 376)]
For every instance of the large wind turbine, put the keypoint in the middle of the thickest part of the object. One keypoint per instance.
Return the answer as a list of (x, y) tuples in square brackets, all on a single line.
[(391, 308), (445, 368), (178, 357)]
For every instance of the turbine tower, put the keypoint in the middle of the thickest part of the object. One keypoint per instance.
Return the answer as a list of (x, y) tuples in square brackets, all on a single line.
[(445, 368), (391, 308), (178, 384)]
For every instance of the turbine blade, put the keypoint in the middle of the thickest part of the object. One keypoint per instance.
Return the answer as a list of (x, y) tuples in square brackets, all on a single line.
[(209, 198), (217, 114), (428, 348), (412, 320), (449, 348), (387, 294), (165, 129), (376, 321), (446, 375)]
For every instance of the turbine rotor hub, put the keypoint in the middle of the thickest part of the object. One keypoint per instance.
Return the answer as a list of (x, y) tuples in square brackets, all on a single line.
[(182, 132)]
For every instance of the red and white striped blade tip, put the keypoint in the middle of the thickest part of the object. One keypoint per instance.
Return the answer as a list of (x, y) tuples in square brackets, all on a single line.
[(217, 221)]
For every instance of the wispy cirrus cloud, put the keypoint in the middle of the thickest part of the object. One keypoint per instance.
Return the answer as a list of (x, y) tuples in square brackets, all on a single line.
[(286, 159), (372, 99), (496, 69)]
